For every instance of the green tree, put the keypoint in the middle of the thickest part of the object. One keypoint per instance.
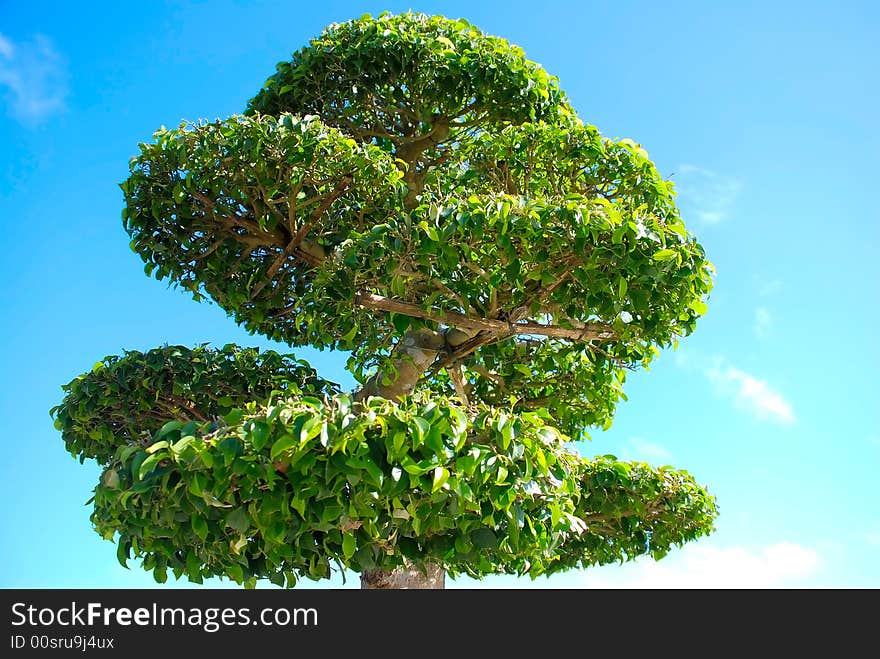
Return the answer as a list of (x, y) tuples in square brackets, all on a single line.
[(415, 192)]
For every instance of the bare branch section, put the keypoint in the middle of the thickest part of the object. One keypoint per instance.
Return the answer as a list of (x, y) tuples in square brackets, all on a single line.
[(301, 233), (307, 252), (293, 247), (589, 332), (458, 383)]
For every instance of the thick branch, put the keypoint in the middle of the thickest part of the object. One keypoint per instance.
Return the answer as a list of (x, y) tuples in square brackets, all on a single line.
[(411, 357), (589, 332)]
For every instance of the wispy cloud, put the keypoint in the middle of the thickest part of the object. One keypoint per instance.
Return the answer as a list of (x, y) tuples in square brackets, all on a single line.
[(6, 48), (33, 76), (704, 565), (763, 323), (704, 194), (644, 451), (750, 393)]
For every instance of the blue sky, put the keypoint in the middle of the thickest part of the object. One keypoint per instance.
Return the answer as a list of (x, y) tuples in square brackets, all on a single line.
[(765, 115)]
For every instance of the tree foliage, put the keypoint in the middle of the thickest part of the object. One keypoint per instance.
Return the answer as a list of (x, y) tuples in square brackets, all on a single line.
[(402, 180), (299, 484)]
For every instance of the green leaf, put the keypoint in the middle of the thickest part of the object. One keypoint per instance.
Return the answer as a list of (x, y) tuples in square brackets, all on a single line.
[(414, 468), (441, 475), (311, 429), (446, 42), (282, 445), (401, 322), (193, 565), (169, 427), (199, 526), (431, 231), (148, 465), (181, 445), (233, 417), (699, 307), (235, 572), (484, 538), (349, 545), (659, 554), (259, 434), (158, 446), (123, 549), (421, 428), (664, 255), (239, 520)]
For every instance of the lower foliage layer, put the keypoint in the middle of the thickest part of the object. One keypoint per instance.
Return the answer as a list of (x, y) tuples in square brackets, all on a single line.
[(299, 485)]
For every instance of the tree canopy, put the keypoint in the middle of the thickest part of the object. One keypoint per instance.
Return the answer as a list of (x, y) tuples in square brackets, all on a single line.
[(421, 195)]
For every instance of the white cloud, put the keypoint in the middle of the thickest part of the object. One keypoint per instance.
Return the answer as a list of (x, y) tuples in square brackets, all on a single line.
[(644, 451), (751, 393), (763, 323), (33, 76), (704, 565), (706, 195), (7, 50)]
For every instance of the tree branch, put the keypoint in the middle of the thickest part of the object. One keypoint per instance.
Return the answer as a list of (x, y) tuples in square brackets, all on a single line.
[(412, 355), (479, 369), (458, 383), (292, 247), (300, 235), (589, 332)]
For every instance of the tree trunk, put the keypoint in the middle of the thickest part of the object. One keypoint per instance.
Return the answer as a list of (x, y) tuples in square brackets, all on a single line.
[(414, 353), (432, 576)]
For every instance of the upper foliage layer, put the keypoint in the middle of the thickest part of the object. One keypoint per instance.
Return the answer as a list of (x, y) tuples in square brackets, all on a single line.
[(287, 223), (245, 210), (410, 82), (290, 489)]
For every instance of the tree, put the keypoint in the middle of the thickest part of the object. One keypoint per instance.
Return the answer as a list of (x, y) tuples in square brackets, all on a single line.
[(420, 194)]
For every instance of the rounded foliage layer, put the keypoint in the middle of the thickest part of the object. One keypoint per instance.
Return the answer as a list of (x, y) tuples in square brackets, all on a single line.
[(291, 489), (125, 400), (246, 209), (401, 80)]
